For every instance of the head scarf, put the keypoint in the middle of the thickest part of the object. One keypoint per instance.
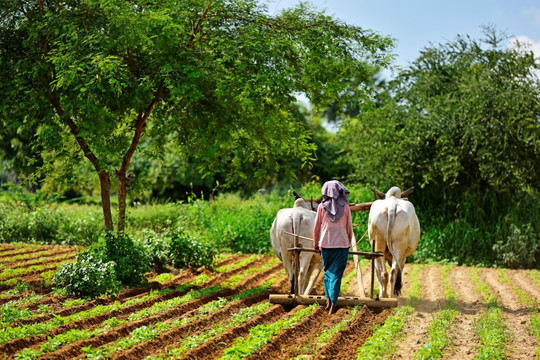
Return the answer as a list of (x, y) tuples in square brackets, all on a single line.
[(335, 196)]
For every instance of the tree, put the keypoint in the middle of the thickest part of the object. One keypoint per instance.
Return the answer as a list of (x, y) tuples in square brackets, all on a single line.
[(217, 75), (464, 116)]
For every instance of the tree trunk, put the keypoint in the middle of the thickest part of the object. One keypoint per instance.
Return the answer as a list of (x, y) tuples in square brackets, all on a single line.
[(105, 184), (123, 182)]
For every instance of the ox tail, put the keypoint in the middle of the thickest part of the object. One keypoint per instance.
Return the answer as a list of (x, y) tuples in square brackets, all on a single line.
[(392, 208)]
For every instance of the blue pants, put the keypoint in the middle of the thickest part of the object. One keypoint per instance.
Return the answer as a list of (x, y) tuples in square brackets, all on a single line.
[(334, 262)]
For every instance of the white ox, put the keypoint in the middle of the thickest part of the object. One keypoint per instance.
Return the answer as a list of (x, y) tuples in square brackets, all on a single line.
[(298, 220), (394, 227)]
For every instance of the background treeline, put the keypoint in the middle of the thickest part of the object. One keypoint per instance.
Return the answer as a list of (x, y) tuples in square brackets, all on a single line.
[(461, 124)]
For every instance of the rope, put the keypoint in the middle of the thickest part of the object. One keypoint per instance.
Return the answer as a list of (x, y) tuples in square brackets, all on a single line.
[(363, 236)]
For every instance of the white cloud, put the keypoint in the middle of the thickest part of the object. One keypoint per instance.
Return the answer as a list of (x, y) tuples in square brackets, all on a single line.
[(525, 43)]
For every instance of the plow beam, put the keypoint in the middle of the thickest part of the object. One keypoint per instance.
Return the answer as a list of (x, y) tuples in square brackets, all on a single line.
[(292, 299)]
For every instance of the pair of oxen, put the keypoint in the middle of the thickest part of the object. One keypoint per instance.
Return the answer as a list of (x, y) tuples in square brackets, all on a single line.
[(392, 224)]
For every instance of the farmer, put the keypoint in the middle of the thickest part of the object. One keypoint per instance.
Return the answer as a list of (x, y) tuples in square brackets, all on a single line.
[(332, 234)]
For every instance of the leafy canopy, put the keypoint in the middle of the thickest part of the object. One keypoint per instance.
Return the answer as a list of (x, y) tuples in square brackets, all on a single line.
[(464, 116), (216, 75)]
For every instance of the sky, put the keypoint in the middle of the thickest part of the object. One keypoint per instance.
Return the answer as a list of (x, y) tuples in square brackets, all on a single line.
[(415, 24)]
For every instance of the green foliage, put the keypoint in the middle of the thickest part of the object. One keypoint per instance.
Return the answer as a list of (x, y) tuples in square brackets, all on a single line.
[(460, 124), (129, 257), (81, 81), (535, 330), (492, 334), (89, 276), (189, 252), (100, 270), (10, 313), (262, 334), (462, 117), (381, 342), (520, 250)]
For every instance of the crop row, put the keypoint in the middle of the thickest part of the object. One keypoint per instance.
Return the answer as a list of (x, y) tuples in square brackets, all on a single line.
[(156, 308)]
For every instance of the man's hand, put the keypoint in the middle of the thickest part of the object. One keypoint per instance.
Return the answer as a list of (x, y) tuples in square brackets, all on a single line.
[(318, 249)]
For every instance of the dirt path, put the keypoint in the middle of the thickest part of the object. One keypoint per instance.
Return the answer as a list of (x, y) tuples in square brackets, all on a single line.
[(516, 316), (431, 300), (469, 303)]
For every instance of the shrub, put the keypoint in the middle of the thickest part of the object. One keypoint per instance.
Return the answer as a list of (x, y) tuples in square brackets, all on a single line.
[(188, 252), (90, 276), (131, 262), (520, 250), (156, 248)]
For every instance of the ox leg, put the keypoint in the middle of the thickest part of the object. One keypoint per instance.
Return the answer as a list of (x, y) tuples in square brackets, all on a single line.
[(382, 277), (396, 275)]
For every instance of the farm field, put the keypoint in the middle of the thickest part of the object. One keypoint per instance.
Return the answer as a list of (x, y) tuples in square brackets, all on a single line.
[(444, 311)]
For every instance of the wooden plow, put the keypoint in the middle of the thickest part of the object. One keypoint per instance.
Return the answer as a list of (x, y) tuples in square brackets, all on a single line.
[(307, 299)]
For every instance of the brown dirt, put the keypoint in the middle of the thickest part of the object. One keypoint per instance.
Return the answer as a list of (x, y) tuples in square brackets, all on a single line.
[(470, 305), (299, 340), (516, 316), (431, 300)]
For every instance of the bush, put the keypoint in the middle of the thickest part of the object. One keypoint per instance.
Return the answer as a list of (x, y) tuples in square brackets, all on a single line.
[(90, 276), (100, 270), (188, 252), (157, 249), (131, 262), (520, 250)]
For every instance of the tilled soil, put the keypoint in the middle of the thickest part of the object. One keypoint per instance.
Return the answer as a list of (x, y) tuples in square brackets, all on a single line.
[(298, 341)]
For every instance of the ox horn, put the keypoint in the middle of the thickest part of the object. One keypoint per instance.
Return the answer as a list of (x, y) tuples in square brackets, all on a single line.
[(296, 196), (378, 194), (407, 192)]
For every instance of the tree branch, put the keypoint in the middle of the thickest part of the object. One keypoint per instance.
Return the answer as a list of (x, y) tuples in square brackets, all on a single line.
[(198, 27), (139, 128)]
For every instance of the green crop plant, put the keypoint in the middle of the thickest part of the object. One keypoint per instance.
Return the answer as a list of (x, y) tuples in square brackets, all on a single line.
[(172, 303), (261, 335), (236, 279), (20, 271), (535, 275), (74, 302), (192, 342), (328, 333), (41, 253), (382, 342), (146, 333), (19, 288), (535, 330), (489, 326), (9, 333), (56, 342), (527, 299), (438, 338), (236, 265), (71, 336), (437, 330), (345, 280), (10, 313), (163, 278)]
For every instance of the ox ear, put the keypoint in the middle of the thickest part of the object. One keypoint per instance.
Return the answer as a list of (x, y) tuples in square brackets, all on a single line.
[(296, 196), (407, 192), (378, 193)]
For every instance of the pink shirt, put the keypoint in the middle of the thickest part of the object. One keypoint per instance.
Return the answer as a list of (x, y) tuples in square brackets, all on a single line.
[(329, 234)]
